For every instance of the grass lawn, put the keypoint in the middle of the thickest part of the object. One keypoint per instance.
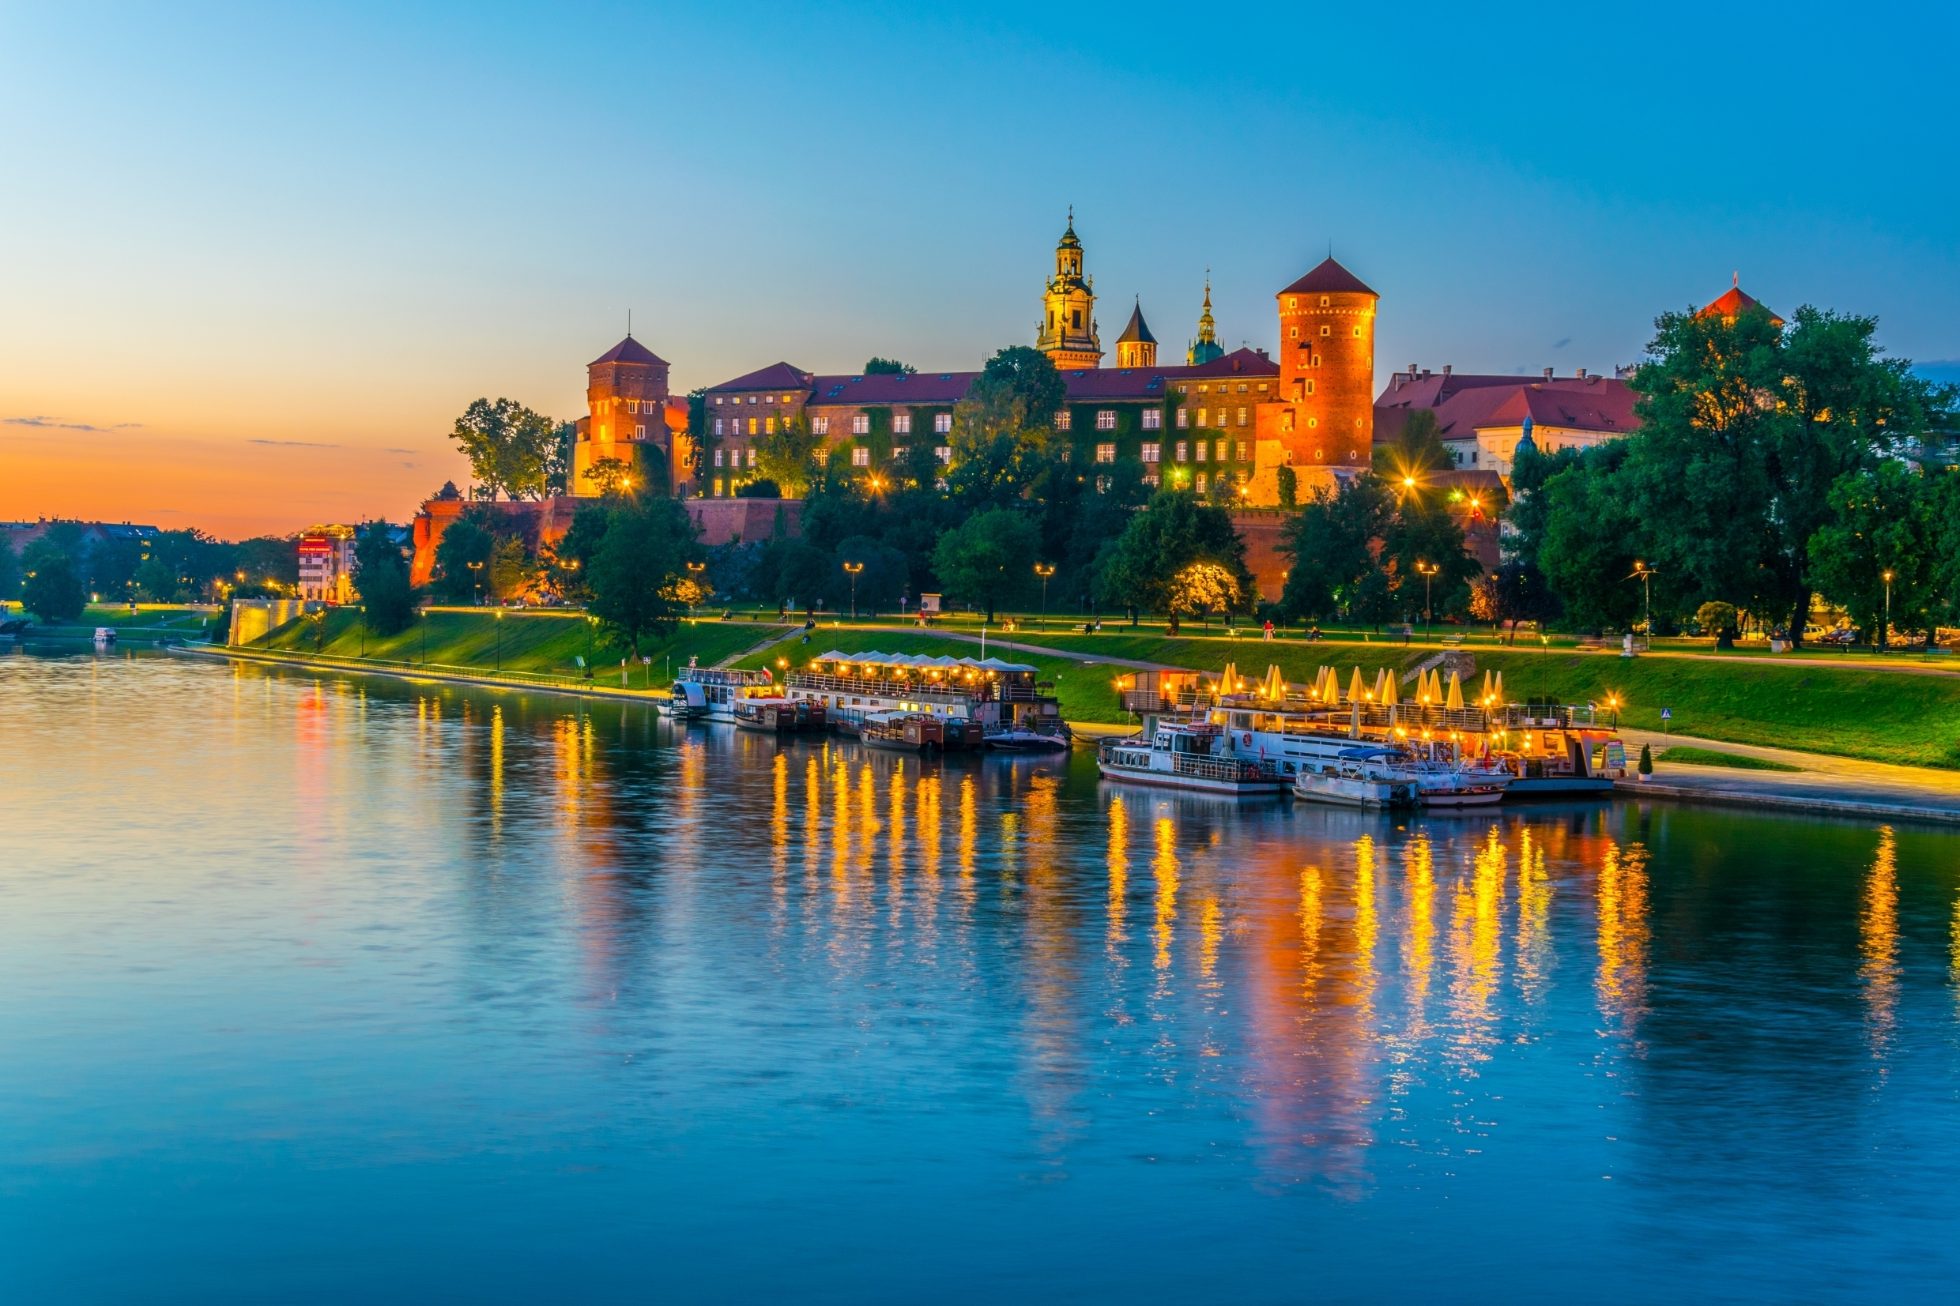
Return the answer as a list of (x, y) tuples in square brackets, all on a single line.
[(536, 643), (1710, 757)]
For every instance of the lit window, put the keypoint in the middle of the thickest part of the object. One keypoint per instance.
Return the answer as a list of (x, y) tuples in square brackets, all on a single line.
[(942, 423), (1293, 333), (901, 423), (820, 426), (751, 458), (1327, 331), (717, 457), (1241, 417), (717, 426), (900, 450), (1202, 414), (751, 398), (1245, 452), (860, 424), (1153, 419), (1241, 387), (1204, 447), (1357, 333), (1105, 419), (1324, 301), (1183, 418), (1309, 387), (752, 426), (1102, 485), (1062, 420), (1183, 452), (717, 401), (943, 454), (1202, 389), (718, 487), (1201, 482), (1262, 387), (1292, 302), (769, 425), (639, 432), (1312, 422), (632, 405), (860, 457), (1105, 453), (1151, 452)]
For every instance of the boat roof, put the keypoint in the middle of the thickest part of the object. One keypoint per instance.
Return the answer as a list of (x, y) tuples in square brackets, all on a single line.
[(922, 661)]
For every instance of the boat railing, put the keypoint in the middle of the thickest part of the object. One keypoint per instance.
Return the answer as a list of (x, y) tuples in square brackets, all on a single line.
[(907, 689), (1200, 767), (1548, 716)]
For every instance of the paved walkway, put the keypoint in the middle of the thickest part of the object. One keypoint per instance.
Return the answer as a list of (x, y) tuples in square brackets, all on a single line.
[(1843, 785)]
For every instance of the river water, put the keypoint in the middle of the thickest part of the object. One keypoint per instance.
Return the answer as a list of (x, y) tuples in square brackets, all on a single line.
[(320, 989)]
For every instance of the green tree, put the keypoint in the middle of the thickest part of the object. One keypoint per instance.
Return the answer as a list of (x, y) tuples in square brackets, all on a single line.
[(1331, 545), (1172, 531), (560, 458), (888, 367), (1745, 428), (1201, 589), (1288, 483), (1718, 619), (53, 590), (511, 449), (608, 477), (1526, 513), (1883, 525), (883, 578), (1416, 455), (513, 569), (381, 577), (9, 569), (1591, 534), (1427, 535), (987, 559), (266, 564), (462, 559), (637, 565), (789, 456)]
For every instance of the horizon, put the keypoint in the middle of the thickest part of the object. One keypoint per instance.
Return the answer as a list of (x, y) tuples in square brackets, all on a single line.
[(268, 298)]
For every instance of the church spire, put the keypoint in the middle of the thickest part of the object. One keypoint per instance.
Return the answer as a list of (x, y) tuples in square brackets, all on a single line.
[(1206, 346), (1067, 333)]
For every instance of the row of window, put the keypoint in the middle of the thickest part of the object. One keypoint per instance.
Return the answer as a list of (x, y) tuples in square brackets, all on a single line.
[(738, 400), (1224, 387), (1153, 419), (735, 457)]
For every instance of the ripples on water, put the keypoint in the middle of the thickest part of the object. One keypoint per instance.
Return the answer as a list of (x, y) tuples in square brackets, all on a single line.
[(315, 988)]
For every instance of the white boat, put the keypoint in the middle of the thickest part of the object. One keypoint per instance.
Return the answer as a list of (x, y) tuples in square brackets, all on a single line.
[(1363, 776), (1020, 739), (1445, 784), (1186, 755), (710, 693), (976, 698)]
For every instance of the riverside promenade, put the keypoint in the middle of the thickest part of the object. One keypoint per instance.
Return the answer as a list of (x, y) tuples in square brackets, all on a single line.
[(1842, 786)]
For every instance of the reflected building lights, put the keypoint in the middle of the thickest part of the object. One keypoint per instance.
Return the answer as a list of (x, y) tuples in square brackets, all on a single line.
[(1623, 935), (1163, 870), (1119, 876), (1878, 940)]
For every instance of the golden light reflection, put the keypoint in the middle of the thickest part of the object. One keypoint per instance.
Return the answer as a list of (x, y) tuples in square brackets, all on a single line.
[(1119, 877), (1163, 870), (1419, 932), (1210, 931), (1310, 916), (1878, 939), (496, 770), (1623, 934), (779, 837), (1367, 925), (1534, 917)]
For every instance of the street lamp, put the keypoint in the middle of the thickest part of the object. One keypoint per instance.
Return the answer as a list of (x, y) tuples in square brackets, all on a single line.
[(1428, 570), (1646, 575), (853, 568), (1885, 632), (694, 569), (362, 609), (1613, 703), (476, 583), (1044, 570), (500, 641)]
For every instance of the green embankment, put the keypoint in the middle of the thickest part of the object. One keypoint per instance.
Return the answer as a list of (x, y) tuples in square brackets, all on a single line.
[(533, 643), (1712, 757)]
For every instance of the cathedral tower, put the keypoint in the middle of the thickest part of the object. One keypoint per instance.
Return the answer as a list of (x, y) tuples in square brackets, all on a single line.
[(1067, 333), (1206, 346), (626, 392), (1136, 347), (1324, 413)]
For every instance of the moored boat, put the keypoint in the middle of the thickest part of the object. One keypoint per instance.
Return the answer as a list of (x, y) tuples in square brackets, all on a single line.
[(903, 732), (974, 699), (1359, 777), (1186, 755), (711, 693)]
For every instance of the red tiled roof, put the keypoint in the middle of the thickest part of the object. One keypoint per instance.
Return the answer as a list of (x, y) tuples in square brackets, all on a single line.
[(1465, 403), (629, 350), (1330, 278), (776, 376), (1733, 302), (892, 388), (1240, 362)]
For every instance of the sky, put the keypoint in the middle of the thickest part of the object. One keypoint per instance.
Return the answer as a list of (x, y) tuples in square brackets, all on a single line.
[(255, 259)]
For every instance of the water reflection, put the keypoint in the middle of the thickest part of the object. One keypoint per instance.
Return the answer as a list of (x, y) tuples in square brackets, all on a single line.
[(1007, 963)]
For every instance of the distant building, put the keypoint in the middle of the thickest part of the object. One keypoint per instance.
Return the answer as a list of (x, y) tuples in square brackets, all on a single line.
[(1734, 302), (326, 564), (1481, 418), (630, 418), (21, 534), (1067, 331), (1136, 347), (1206, 347)]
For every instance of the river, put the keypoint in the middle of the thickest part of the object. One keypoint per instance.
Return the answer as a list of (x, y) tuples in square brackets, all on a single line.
[(328, 988)]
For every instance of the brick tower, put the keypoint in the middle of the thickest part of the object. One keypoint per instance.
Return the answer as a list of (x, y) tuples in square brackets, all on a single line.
[(1067, 333), (1324, 413), (626, 391)]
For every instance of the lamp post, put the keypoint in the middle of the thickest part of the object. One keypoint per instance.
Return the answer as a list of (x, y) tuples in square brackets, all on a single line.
[(362, 609), (500, 640), (1885, 631), (694, 570), (852, 569), (1646, 575), (1428, 570), (476, 584), (1044, 570)]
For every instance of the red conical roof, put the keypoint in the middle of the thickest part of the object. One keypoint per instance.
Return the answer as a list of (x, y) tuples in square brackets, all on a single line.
[(1330, 278), (629, 350)]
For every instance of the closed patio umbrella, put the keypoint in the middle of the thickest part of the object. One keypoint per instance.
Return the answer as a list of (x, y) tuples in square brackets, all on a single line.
[(1455, 700)]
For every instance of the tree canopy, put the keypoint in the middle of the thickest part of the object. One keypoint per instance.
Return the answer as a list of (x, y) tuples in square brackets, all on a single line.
[(381, 576), (512, 450), (988, 559)]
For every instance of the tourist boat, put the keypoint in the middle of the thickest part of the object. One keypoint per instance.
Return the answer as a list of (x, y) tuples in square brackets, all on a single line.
[(1190, 755), (1020, 739), (919, 732), (1555, 751), (710, 693), (779, 716), (978, 698), (1361, 776), (1456, 785)]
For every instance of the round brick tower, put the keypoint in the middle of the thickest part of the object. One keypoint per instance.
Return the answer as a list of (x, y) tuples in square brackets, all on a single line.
[(1324, 412)]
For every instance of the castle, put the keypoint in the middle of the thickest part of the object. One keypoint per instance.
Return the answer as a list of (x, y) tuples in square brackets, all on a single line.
[(1232, 419)]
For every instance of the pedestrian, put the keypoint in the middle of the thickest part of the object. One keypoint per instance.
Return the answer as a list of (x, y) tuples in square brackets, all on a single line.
[(1269, 628), (1408, 632)]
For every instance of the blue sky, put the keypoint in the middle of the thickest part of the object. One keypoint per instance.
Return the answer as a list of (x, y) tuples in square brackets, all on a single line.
[(335, 227)]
